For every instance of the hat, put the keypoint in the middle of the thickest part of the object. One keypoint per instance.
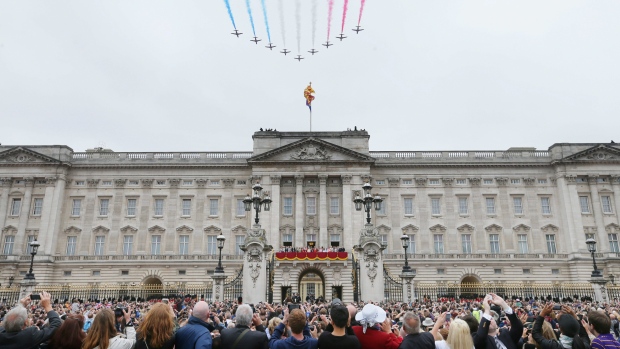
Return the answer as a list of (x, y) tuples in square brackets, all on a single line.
[(427, 322), (370, 315), (568, 325), (336, 301)]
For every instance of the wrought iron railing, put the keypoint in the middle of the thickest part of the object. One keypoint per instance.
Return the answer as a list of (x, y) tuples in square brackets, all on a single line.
[(233, 287), (393, 289)]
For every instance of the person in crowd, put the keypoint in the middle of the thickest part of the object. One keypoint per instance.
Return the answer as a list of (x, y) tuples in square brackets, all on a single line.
[(375, 330), (414, 337), (103, 335), (273, 323), (195, 335), (338, 338), (489, 335), (16, 332), (301, 337), (547, 333), (600, 326), (569, 331), (459, 335), (157, 328), (69, 335), (241, 337)]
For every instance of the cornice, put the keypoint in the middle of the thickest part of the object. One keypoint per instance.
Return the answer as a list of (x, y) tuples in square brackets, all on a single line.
[(155, 166)]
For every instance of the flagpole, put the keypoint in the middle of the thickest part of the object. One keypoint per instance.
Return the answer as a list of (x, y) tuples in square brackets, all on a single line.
[(310, 120)]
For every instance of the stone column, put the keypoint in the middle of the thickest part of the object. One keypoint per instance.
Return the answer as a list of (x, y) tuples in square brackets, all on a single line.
[(571, 213), (299, 212), (596, 210), (615, 182), (24, 214), (255, 265), (218, 287), (323, 212), (27, 287), (274, 227), (600, 291), (371, 264), (4, 199), (408, 286), (48, 234), (347, 213)]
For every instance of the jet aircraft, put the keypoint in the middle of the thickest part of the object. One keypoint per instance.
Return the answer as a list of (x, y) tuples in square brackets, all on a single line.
[(256, 40), (327, 44), (285, 51), (298, 58), (341, 36), (270, 46), (357, 29), (313, 51)]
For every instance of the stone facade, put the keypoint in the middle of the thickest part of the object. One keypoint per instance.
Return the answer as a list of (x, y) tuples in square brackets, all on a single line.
[(104, 216)]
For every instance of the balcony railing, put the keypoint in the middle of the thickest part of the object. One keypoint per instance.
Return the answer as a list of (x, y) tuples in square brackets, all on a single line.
[(160, 156), (191, 257), (475, 256), (437, 155)]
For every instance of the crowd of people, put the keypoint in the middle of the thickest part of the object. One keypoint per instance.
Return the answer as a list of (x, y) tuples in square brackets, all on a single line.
[(311, 249), (490, 322)]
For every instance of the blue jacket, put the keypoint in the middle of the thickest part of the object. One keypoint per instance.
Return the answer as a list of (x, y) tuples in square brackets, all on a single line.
[(291, 343), (194, 335)]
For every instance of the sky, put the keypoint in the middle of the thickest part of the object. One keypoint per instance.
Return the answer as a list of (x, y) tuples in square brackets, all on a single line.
[(167, 75)]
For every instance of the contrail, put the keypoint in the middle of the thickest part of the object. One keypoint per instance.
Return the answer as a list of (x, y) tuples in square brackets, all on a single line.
[(344, 14), (329, 18), (359, 20), (282, 28), (313, 22), (298, 19), (266, 20), (232, 19), (247, 3)]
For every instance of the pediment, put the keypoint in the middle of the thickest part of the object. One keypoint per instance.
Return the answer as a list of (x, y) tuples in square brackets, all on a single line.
[(212, 229), (601, 152), (9, 229), (73, 229), (25, 156), (311, 150), (438, 228), (185, 228), (409, 228), (100, 229), (493, 228), (129, 229), (522, 227), (156, 228), (466, 228), (549, 228)]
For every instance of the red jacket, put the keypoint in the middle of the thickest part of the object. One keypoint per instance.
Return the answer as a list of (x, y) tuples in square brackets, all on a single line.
[(376, 339)]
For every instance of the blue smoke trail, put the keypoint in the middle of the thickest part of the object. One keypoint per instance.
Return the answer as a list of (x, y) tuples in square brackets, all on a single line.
[(266, 20), (247, 3), (232, 19)]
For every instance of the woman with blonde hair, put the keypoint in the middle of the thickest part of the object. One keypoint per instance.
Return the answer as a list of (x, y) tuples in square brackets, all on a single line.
[(157, 329), (102, 333), (459, 335), (273, 323)]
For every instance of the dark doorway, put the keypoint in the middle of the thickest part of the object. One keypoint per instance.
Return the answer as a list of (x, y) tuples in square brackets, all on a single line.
[(337, 292), (286, 292)]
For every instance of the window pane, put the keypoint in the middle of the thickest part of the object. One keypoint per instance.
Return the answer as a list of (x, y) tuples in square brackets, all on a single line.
[(522, 241), (550, 243), (16, 206), (463, 207), (156, 244), (9, 240), (518, 205), (127, 245), (490, 205), (77, 205), (334, 206), (131, 207), (613, 243), (159, 207), (288, 206), (71, 242), (103, 207), (239, 239), (31, 238), (583, 203), (408, 202), (494, 240), (99, 245), (211, 244), (411, 247), (213, 207), (187, 207), (435, 206), (240, 208), (184, 244), (311, 205), (546, 208), (606, 204), (38, 207), (438, 243), (466, 243)]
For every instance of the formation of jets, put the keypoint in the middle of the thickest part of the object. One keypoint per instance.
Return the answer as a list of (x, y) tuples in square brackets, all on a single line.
[(327, 44)]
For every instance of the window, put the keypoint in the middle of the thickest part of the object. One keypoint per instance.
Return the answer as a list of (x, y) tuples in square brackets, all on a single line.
[(103, 206), (99, 245), (76, 207), (463, 206), (66, 273), (435, 206), (466, 243), (287, 239), (133, 182), (187, 207), (487, 181), (408, 202), (545, 205), (155, 244), (124, 272), (9, 241), (311, 238), (382, 211), (583, 203), (182, 272), (211, 244), (310, 205), (71, 243), (334, 240), (438, 243), (186, 182), (601, 180), (606, 200), (517, 204), (161, 182), (131, 207), (16, 206), (214, 183), (542, 181), (522, 242), (127, 245), (239, 241), (380, 182), (515, 181), (461, 181), (213, 207), (411, 244), (613, 243), (31, 238), (433, 181), (240, 208), (183, 244), (287, 207), (494, 241), (407, 181), (96, 272), (555, 271), (384, 239), (490, 205), (80, 183), (159, 207), (497, 271), (334, 206), (241, 182), (550, 238), (38, 206), (106, 183), (441, 271), (527, 271)]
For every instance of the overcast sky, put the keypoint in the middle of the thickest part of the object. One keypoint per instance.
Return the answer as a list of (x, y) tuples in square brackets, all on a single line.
[(167, 75)]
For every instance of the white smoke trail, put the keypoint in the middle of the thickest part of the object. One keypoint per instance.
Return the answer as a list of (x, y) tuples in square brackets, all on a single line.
[(313, 22), (282, 27), (298, 19)]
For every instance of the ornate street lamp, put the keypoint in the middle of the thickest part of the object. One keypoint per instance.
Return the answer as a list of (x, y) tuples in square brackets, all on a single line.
[(220, 244), (405, 241), (257, 201), (11, 279), (367, 201), (34, 247), (592, 248)]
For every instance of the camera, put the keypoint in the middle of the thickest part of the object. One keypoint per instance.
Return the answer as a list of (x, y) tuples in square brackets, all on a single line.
[(118, 312), (165, 300), (35, 297), (557, 307), (293, 306)]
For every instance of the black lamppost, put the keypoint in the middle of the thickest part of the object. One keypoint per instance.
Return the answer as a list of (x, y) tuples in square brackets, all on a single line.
[(220, 244), (592, 248), (367, 201), (11, 279), (34, 246), (405, 241), (257, 201)]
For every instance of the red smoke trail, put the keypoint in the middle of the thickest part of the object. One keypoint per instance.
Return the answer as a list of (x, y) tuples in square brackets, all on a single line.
[(329, 17), (344, 14), (361, 11)]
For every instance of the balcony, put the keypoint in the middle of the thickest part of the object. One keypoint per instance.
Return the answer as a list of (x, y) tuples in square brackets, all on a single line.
[(312, 256), (185, 257), (481, 256)]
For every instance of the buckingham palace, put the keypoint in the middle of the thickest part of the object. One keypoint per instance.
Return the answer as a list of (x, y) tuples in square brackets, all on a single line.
[(104, 216)]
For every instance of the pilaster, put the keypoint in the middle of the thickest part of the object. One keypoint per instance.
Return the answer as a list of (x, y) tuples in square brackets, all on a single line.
[(371, 264), (256, 251), (24, 214), (276, 211), (347, 213), (4, 199), (299, 211), (323, 214), (408, 286)]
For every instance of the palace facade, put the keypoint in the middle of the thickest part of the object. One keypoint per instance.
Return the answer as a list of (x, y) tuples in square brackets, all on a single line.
[(102, 216)]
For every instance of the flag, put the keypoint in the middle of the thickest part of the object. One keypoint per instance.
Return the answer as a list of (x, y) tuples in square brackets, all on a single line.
[(308, 96)]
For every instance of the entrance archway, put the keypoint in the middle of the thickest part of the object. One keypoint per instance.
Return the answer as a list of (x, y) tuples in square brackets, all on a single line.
[(152, 287), (311, 283), (471, 286), (152, 281)]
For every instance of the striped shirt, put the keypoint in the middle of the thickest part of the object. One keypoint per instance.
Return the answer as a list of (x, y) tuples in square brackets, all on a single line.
[(605, 341)]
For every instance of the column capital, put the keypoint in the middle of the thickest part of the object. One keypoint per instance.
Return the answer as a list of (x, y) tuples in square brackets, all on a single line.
[(275, 179), (6, 181), (299, 179), (615, 179), (593, 178), (147, 182), (394, 182), (29, 181), (447, 181), (228, 182), (501, 181), (346, 179), (322, 179), (92, 183)]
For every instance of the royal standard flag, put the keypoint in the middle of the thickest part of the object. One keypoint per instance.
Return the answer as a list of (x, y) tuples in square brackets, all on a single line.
[(308, 96)]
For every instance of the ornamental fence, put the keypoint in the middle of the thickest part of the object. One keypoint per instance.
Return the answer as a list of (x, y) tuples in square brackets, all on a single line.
[(557, 292)]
